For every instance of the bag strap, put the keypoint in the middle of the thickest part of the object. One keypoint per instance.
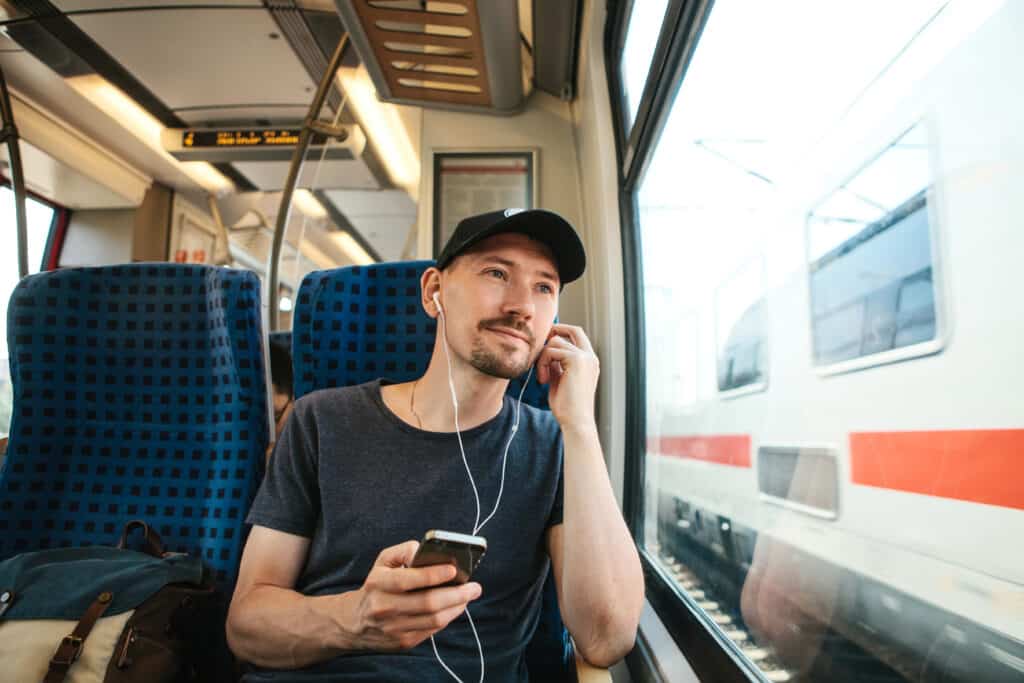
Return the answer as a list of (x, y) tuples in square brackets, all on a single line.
[(70, 647), (154, 545)]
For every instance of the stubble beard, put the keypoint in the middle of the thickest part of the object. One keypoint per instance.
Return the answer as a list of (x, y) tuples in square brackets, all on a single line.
[(494, 365)]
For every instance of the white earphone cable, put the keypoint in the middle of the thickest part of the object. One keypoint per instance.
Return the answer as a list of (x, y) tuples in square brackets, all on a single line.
[(477, 525)]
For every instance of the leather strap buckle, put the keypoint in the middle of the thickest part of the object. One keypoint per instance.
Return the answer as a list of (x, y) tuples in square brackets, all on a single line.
[(68, 651)]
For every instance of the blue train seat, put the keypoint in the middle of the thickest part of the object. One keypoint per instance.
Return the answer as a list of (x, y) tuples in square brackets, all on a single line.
[(139, 392), (352, 325)]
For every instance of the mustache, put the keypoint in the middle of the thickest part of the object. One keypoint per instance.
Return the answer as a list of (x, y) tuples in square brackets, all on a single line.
[(510, 323)]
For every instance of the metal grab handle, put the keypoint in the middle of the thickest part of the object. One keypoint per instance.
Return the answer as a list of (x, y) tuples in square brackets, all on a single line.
[(309, 127), (9, 135)]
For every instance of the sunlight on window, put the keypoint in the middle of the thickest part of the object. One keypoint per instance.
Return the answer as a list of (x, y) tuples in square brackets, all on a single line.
[(39, 219), (642, 37)]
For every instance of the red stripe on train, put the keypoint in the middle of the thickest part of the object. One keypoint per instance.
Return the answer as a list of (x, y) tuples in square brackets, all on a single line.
[(723, 449), (979, 466)]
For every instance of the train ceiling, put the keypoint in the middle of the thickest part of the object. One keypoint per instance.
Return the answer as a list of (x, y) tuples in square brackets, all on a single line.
[(179, 61), (240, 63)]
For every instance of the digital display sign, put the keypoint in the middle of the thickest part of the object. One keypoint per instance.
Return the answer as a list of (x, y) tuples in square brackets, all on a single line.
[(191, 139), (276, 143)]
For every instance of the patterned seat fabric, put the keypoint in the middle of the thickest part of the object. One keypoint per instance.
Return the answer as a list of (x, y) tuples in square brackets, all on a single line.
[(353, 325), (139, 392)]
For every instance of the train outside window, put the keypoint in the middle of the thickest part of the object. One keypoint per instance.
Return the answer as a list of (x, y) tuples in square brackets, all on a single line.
[(874, 291), (854, 519), (742, 353)]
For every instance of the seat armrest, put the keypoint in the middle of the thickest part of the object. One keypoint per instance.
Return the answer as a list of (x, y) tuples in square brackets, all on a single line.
[(588, 673)]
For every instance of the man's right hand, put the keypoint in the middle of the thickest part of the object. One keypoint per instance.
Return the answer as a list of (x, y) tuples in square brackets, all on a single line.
[(398, 607)]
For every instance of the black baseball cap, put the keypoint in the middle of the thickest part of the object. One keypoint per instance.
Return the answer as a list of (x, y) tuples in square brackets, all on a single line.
[(544, 226)]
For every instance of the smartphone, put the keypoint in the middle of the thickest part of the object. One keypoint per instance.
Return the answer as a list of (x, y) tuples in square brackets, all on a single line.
[(447, 547)]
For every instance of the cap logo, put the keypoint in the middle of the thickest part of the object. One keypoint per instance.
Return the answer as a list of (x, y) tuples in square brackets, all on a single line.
[(513, 212)]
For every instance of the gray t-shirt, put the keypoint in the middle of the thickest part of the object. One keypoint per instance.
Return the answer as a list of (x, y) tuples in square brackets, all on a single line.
[(354, 478)]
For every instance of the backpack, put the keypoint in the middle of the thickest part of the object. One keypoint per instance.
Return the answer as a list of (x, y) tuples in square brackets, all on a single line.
[(98, 613)]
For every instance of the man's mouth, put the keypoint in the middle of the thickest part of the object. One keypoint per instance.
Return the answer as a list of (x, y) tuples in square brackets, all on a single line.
[(505, 332)]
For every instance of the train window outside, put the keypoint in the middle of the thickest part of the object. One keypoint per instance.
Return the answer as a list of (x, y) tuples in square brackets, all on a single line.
[(646, 17), (742, 352), (873, 295), (40, 219), (834, 526)]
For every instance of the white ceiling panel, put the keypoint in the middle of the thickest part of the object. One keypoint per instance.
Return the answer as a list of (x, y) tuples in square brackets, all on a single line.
[(383, 217), (31, 78), (204, 57), (270, 175), (213, 115)]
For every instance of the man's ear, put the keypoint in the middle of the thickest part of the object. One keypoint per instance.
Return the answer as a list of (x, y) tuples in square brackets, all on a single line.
[(430, 284)]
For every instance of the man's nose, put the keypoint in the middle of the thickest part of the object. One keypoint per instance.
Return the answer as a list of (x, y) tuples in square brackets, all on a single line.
[(519, 301)]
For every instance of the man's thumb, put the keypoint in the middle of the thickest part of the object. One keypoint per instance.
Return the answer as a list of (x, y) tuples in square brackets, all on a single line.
[(398, 555)]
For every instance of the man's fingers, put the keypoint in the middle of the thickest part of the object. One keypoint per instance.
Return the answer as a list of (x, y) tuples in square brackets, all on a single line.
[(405, 579), (574, 333), (550, 363), (438, 599), (561, 343), (397, 555), (555, 353), (429, 622)]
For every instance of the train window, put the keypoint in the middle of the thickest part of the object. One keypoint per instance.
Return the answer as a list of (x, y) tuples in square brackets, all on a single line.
[(644, 25), (40, 219), (873, 293), (742, 344), (828, 528)]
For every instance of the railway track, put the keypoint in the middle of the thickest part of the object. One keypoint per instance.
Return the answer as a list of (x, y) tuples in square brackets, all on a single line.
[(716, 592)]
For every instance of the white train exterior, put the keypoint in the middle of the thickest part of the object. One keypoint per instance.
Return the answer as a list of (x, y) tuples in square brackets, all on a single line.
[(877, 490)]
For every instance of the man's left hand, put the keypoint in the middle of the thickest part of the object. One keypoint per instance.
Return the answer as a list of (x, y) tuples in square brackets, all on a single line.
[(569, 364)]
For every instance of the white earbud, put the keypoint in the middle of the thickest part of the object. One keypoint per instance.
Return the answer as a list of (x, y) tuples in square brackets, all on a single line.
[(437, 302)]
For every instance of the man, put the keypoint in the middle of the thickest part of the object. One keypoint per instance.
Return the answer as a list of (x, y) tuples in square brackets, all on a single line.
[(281, 380), (360, 474)]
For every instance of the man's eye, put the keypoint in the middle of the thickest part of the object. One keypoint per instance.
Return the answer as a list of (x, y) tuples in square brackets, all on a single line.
[(547, 289), (496, 273)]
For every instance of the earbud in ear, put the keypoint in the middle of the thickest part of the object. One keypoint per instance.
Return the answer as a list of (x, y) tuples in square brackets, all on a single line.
[(437, 302)]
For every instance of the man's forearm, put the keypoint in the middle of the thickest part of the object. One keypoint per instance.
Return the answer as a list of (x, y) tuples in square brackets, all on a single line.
[(281, 629), (602, 578)]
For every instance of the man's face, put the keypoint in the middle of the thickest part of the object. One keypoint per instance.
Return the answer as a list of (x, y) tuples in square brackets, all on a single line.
[(500, 300)]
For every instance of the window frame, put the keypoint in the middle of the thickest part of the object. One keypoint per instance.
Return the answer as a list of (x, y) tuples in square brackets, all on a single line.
[(711, 655)]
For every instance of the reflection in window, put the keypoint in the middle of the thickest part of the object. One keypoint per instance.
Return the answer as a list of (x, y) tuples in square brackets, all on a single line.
[(644, 26), (39, 219)]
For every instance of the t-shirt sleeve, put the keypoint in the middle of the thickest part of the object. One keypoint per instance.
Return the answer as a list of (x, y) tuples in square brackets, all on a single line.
[(289, 497), (555, 517)]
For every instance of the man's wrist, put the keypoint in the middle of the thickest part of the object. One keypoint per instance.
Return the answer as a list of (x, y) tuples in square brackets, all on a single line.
[(342, 609), (580, 428)]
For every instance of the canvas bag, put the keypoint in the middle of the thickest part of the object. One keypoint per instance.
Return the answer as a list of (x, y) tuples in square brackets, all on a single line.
[(86, 615)]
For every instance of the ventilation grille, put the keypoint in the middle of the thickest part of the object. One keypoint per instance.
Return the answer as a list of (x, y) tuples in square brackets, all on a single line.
[(430, 51)]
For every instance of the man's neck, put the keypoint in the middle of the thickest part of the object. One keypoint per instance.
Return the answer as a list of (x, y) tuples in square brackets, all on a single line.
[(427, 402), (480, 396)]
